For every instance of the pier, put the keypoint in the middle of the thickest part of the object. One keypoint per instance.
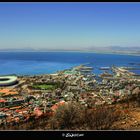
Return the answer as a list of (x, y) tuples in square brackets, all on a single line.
[(122, 72), (104, 68)]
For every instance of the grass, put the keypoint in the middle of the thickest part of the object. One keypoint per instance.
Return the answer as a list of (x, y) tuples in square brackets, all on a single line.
[(45, 86), (1, 93)]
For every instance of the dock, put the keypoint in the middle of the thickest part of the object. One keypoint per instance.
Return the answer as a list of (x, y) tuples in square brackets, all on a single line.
[(120, 71), (104, 68), (131, 68)]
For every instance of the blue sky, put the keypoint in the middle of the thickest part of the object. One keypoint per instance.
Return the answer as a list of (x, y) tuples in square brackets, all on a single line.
[(69, 25)]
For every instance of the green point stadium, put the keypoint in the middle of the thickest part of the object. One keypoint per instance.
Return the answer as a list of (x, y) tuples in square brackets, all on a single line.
[(8, 80)]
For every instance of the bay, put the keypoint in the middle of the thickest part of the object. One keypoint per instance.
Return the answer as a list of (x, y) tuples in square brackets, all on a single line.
[(33, 63)]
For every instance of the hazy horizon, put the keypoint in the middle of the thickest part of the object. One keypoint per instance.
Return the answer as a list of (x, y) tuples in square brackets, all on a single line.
[(69, 26)]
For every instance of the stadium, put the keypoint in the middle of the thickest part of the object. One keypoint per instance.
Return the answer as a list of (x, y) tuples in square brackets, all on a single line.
[(8, 80)]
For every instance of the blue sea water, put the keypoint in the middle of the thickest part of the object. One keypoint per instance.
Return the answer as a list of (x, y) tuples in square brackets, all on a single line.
[(32, 63)]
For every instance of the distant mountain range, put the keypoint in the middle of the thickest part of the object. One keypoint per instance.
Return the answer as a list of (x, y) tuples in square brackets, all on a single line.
[(116, 49), (110, 49)]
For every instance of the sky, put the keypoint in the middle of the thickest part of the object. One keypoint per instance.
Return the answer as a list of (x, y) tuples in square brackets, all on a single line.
[(69, 25)]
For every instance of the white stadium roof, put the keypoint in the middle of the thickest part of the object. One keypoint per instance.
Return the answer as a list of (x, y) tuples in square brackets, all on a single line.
[(7, 80)]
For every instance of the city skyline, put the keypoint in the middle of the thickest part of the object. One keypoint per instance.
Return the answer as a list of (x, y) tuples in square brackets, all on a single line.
[(69, 25)]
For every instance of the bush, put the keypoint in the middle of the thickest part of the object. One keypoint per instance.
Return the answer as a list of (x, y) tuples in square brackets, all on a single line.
[(101, 118), (67, 116), (75, 116)]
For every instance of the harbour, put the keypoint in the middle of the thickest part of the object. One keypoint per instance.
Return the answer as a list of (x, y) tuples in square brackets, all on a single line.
[(36, 96)]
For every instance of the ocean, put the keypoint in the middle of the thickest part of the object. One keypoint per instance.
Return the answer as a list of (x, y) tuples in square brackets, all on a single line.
[(34, 63)]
